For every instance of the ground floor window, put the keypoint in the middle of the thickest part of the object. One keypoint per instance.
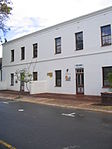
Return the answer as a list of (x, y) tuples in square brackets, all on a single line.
[(35, 76), (106, 71), (12, 79), (58, 78), (1, 74)]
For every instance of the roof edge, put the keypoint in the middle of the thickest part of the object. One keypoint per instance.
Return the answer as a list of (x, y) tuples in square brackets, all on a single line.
[(64, 23)]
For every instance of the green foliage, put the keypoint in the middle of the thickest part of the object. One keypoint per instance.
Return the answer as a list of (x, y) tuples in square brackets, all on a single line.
[(5, 11), (23, 76), (110, 79)]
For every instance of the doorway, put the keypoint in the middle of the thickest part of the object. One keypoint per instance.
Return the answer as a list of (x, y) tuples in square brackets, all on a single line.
[(79, 81)]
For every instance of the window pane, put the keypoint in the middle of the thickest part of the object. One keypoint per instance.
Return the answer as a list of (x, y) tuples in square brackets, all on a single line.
[(22, 53), (58, 77), (106, 35), (58, 49), (58, 45), (79, 41), (106, 71), (12, 79), (35, 50), (106, 40), (106, 30), (35, 76), (12, 55)]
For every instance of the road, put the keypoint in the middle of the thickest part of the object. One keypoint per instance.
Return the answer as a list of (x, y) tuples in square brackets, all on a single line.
[(33, 126)]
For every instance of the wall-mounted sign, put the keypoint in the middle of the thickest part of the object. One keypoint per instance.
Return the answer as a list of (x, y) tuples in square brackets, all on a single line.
[(50, 74), (68, 77), (79, 66)]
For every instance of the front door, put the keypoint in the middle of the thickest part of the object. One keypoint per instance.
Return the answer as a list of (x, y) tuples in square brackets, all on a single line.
[(80, 81)]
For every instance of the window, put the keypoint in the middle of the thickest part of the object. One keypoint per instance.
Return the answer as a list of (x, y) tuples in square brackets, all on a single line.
[(106, 71), (22, 53), (12, 55), (35, 78), (58, 45), (58, 78), (12, 79), (79, 40), (35, 47), (106, 35), (1, 74)]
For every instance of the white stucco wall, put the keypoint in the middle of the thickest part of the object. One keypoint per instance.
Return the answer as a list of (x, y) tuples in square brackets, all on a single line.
[(3, 85), (93, 57), (38, 87)]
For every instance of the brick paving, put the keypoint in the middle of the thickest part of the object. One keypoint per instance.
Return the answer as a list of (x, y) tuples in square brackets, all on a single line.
[(61, 100)]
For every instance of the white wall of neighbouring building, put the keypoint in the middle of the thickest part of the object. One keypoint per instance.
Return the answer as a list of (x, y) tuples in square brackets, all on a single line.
[(92, 58)]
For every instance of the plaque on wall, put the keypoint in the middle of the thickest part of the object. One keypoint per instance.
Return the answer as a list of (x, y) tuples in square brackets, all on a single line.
[(50, 74)]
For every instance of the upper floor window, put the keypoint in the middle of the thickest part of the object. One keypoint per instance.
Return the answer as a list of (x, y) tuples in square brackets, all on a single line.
[(35, 76), (22, 53), (35, 48), (58, 78), (12, 79), (79, 40), (12, 55), (58, 45), (106, 35), (106, 71)]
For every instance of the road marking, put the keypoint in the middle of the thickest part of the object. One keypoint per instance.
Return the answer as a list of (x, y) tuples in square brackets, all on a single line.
[(72, 147), (69, 114), (5, 144), (21, 110), (6, 102)]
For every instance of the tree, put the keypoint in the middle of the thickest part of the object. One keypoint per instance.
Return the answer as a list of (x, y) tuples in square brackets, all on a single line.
[(5, 11), (24, 76)]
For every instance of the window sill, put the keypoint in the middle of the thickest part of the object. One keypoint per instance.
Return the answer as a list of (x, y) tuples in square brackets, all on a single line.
[(106, 45), (57, 86), (57, 53), (105, 87), (78, 49), (34, 57)]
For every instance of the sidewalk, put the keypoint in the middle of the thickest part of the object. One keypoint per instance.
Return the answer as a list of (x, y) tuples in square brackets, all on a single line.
[(61, 100)]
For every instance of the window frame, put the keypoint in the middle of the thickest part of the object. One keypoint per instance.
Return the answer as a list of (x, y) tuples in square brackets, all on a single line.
[(12, 55), (57, 46), (35, 50), (35, 73), (103, 79), (56, 78), (104, 36), (76, 41), (22, 53)]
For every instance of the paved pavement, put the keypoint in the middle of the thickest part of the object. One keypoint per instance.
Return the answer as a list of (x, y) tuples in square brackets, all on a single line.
[(33, 126), (68, 101)]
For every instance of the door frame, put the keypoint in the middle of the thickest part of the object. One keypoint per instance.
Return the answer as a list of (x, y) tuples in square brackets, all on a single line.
[(80, 72)]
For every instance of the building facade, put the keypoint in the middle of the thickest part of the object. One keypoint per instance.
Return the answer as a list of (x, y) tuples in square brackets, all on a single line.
[(72, 57)]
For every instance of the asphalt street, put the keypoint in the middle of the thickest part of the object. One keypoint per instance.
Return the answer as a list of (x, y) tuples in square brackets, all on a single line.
[(33, 126)]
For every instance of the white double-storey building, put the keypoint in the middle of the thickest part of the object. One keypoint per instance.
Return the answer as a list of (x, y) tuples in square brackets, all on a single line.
[(73, 57)]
